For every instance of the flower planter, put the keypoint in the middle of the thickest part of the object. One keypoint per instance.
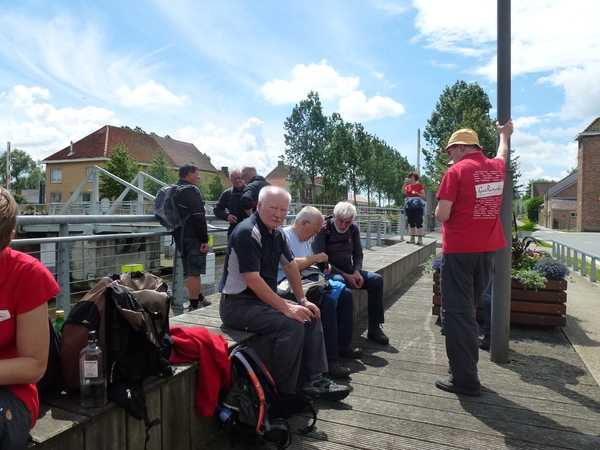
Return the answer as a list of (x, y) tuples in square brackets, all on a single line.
[(545, 306)]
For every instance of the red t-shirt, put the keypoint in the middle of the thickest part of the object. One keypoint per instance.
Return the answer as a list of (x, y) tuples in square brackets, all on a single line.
[(474, 185), (412, 189), (25, 284)]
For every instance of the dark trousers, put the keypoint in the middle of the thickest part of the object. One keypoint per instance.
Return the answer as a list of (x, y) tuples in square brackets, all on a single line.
[(373, 284), (337, 317), (464, 278)]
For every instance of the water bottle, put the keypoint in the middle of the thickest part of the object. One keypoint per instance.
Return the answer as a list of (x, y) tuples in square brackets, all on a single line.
[(59, 321), (92, 376), (224, 414)]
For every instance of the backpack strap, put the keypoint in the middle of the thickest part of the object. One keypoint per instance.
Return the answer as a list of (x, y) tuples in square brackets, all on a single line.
[(262, 422)]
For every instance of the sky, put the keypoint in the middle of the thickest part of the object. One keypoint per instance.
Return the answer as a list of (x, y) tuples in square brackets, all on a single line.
[(226, 74)]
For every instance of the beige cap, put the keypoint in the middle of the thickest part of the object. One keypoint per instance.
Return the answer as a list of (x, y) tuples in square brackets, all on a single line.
[(465, 136)]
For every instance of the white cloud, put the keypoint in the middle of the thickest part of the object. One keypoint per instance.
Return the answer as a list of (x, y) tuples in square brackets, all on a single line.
[(41, 129), (356, 108), (320, 78), (525, 122), (392, 7), (247, 145), (150, 96)]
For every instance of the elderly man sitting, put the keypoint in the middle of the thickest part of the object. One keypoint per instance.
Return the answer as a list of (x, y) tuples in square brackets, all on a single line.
[(249, 299), (339, 238)]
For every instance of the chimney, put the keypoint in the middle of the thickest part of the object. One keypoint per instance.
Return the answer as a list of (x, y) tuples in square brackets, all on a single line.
[(279, 163), (225, 170), (71, 150)]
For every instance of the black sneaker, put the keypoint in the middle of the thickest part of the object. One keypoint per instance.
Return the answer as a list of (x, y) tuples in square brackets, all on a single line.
[(323, 387), (484, 344), (377, 335), (446, 384)]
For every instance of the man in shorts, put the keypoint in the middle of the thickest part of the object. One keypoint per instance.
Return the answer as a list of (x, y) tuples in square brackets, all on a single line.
[(192, 238)]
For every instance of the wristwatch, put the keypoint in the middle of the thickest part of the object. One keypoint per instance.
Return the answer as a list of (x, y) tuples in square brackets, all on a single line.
[(302, 300)]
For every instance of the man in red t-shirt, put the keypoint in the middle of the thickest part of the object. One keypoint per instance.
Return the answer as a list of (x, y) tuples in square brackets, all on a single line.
[(469, 196)]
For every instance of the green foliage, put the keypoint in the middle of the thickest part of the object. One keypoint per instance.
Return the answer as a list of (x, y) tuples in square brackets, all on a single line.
[(25, 173), (533, 208), (460, 106), (161, 170), (123, 166), (215, 188), (306, 139)]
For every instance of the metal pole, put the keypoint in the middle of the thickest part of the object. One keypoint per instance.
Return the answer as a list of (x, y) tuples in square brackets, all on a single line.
[(419, 151), (500, 333)]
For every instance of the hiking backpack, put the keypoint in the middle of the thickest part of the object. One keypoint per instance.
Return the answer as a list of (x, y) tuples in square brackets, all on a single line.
[(130, 311), (258, 410), (165, 206)]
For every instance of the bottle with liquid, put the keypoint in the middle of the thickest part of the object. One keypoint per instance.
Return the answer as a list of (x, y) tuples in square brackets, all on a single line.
[(59, 321), (224, 414), (92, 375)]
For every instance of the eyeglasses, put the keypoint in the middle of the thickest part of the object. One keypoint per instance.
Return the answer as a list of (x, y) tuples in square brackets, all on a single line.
[(449, 149), (315, 231)]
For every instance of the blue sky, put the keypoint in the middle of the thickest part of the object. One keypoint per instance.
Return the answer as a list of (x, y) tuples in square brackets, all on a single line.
[(226, 74)]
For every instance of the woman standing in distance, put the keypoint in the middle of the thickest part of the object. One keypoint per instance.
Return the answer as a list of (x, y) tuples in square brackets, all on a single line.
[(413, 207)]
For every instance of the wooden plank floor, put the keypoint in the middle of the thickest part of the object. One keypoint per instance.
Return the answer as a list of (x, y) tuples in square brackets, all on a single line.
[(544, 399)]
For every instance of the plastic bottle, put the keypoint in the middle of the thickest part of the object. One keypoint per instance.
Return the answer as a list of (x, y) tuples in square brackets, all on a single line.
[(224, 414), (92, 376), (59, 321)]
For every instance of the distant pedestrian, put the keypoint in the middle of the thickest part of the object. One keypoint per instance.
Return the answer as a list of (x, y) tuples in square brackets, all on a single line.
[(228, 206), (254, 183), (413, 207)]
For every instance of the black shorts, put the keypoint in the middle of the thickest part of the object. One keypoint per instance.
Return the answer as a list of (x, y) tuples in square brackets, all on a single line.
[(194, 261), (15, 421)]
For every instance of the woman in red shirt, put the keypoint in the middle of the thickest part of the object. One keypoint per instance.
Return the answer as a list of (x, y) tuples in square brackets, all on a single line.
[(413, 207), (25, 288)]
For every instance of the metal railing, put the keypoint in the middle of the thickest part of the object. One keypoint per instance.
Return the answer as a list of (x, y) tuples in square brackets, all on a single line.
[(81, 249), (575, 258)]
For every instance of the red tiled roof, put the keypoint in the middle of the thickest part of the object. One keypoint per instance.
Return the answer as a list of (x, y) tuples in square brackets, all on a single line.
[(142, 148)]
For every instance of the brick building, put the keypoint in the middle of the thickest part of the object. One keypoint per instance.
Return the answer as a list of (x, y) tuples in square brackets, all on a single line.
[(588, 186)]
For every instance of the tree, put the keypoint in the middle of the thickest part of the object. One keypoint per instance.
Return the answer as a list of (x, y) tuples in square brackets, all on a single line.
[(335, 172), (25, 173), (161, 170), (533, 208), (461, 106), (215, 188), (123, 166), (306, 140)]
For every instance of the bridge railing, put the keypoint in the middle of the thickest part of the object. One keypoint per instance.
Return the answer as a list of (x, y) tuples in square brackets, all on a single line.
[(576, 258), (81, 249)]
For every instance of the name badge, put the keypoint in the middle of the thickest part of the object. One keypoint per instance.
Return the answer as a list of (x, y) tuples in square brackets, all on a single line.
[(4, 315)]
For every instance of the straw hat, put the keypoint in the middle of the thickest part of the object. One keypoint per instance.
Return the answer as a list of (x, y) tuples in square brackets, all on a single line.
[(465, 136)]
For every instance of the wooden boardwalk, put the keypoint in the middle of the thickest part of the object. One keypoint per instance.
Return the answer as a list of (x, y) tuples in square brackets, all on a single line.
[(544, 399)]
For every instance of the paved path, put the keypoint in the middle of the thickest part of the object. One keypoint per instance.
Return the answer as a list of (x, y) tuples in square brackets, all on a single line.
[(546, 398)]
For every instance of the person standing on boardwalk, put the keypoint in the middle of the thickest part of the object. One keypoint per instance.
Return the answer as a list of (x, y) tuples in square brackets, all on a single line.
[(339, 239), (254, 183), (192, 238), (228, 206), (249, 299), (413, 208), (470, 196)]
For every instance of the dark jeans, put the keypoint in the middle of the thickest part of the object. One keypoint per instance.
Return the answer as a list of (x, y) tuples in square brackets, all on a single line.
[(337, 318), (373, 284), (486, 300), (464, 279)]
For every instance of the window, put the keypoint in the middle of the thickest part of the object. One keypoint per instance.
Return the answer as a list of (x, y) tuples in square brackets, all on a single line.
[(55, 197), (56, 176), (573, 214), (86, 197)]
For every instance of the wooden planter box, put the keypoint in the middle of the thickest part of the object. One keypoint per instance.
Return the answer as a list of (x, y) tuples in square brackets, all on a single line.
[(547, 306)]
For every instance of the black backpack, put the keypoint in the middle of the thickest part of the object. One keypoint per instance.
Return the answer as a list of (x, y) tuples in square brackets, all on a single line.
[(259, 411), (165, 206), (130, 311)]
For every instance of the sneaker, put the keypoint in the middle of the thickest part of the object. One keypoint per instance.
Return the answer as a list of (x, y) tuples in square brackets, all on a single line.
[(348, 351), (377, 335), (484, 344), (204, 302), (191, 308), (420, 241), (411, 241), (336, 370), (323, 387)]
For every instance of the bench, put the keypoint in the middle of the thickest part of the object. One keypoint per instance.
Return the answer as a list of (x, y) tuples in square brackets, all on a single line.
[(62, 424)]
